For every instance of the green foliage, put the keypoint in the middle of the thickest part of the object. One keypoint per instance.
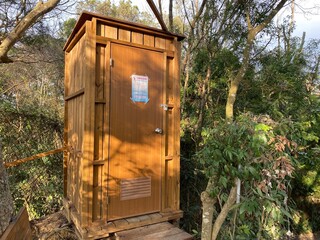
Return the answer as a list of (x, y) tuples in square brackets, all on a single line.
[(222, 65), (193, 182), (67, 27), (37, 184), (254, 152), (282, 82), (124, 9), (307, 191), (31, 122)]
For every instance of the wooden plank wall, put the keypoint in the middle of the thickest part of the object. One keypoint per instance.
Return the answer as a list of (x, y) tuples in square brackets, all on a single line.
[(176, 124), (170, 183), (101, 139), (74, 122), (19, 228), (133, 36), (89, 125), (87, 93)]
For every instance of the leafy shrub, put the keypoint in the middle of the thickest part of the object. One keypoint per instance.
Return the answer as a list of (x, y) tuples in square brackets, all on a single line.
[(252, 150)]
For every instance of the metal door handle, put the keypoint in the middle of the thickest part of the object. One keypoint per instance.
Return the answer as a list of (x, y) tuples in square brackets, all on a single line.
[(158, 131)]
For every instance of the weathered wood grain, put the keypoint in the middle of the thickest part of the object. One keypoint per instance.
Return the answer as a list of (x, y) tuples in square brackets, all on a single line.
[(111, 139), (19, 228)]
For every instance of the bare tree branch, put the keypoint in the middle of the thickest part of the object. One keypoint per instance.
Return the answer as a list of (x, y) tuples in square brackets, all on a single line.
[(261, 26), (37, 12)]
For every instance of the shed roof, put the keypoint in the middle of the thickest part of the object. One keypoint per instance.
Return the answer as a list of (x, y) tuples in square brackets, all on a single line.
[(85, 16)]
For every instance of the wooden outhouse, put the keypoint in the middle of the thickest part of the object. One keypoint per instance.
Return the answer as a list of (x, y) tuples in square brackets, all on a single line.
[(122, 117)]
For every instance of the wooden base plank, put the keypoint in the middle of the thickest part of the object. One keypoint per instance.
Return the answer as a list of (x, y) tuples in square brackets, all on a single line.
[(159, 231), (104, 230), (127, 234), (101, 229), (19, 228)]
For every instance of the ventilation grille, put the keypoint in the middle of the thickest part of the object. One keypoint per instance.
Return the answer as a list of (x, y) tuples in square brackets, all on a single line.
[(135, 188)]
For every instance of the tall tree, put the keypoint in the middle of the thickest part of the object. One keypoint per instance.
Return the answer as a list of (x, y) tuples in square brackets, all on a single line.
[(194, 23), (123, 9), (24, 20), (257, 17), (254, 25)]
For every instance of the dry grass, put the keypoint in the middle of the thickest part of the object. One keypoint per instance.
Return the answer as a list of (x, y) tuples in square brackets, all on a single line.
[(53, 227)]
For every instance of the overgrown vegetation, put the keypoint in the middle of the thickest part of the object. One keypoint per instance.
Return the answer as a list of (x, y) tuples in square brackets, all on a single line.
[(270, 144), (254, 151)]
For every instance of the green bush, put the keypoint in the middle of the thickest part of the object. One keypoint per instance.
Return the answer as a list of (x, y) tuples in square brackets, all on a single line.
[(253, 150)]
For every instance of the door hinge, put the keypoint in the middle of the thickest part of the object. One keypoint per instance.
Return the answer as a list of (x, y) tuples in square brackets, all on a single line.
[(111, 62), (107, 200)]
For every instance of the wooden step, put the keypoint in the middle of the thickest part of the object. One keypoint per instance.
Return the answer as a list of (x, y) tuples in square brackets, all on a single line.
[(159, 231), (102, 229)]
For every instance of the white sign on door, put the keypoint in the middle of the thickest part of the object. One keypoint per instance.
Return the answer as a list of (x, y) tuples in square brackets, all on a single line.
[(140, 88)]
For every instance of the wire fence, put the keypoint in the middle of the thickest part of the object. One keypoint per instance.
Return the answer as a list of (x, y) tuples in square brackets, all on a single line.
[(37, 184)]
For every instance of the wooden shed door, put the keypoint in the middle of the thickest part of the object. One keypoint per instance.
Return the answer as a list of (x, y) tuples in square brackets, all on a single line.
[(134, 183)]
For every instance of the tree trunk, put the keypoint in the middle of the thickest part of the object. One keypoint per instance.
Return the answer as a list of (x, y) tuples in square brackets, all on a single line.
[(6, 204), (186, 69), (207, 211), (224, 213), (39, 10), (191, 45), (234, 85), (204, 97)]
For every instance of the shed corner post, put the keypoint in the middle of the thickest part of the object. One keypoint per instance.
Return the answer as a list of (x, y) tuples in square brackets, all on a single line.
[(65, 129), (89, 124), (176, 90)]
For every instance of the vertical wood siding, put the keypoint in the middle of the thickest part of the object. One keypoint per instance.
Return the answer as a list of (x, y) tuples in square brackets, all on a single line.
[(74, 125), (87, 116)]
